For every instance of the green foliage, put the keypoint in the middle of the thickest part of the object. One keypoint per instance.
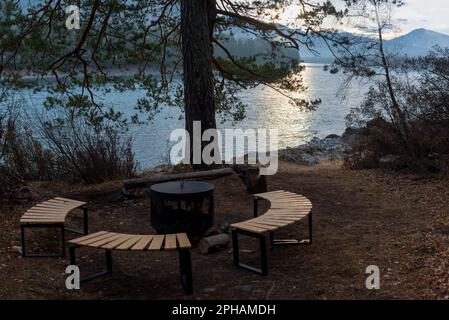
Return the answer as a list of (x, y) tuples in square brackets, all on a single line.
[(127, 45)]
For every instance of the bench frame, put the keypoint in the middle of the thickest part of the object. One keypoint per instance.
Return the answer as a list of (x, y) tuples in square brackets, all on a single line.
[(60, 226), (185, 265), (263, 270)]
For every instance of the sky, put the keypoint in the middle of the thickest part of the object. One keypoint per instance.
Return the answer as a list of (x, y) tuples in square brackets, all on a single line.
[(415, 14), (428, 14)]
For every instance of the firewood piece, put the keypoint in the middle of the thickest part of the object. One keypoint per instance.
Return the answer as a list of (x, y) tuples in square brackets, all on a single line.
[(213, 243)]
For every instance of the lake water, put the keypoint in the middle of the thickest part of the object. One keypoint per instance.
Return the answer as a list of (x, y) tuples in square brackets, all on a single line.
[(266, 109)]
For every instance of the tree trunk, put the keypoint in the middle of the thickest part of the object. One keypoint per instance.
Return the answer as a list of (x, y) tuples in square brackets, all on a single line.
[(197, 23)]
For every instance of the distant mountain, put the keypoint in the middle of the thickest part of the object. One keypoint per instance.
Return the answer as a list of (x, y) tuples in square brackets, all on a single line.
[(417, 43)]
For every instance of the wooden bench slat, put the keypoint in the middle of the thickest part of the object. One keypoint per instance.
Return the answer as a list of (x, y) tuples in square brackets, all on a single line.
[(32, 216), (92, 235), (183, 241), (157, 242), (99, 243), (143, 243), (40, 207), (273, 222), (268, 193), (54, 204), (117, 242), (170, 242), (94, 239), (71, 200), (244, 226), (260, 224), (41, 220), (129, 243)]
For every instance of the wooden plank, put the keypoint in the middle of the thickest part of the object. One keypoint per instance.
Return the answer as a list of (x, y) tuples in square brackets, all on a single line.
[(37, 210), (261, 195), (60, 213), (129, 243), (289, 201), (288, 218), (43, 217), (32, 216), (46, 206), (271, 222), (43, 206), (94, 239), (261, 225), (92, 235), (183, 241), (70, 200), (112, 245), (156, 244), (143, 243), (43, 220), (48, 209), (102, 242), (170, 242), (244, 226)]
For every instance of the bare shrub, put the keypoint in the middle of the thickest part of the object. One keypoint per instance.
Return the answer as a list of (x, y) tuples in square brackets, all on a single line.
[(422, 90), (65, 149), (87, 154)]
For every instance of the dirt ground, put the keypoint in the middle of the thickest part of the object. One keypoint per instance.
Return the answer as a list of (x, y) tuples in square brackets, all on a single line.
[(395, 221)]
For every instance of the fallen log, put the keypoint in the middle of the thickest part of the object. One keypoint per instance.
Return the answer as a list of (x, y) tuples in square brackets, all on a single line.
[(148, 182), (135, 188), (213, 243)]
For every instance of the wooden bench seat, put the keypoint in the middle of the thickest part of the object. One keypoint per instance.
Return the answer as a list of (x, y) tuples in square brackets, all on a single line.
[(51, 214), (286, 208), (111, 241)]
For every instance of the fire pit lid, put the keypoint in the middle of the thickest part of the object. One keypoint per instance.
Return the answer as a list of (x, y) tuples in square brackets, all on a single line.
[(182, 188)]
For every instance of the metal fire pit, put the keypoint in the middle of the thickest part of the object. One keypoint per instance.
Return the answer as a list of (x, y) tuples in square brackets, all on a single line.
[(182, 206)]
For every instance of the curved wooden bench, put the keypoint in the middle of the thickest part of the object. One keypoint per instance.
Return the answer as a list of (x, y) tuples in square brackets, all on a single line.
[(286, 208), (51, 214), (111, 241)]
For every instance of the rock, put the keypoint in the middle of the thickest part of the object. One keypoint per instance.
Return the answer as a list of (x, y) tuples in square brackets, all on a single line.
[(309, 160), (331, 147)]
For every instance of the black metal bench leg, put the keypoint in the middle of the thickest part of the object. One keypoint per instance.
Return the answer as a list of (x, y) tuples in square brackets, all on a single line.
[(235, 247), (72, 255), (85, 229), (256, 201), (310, 228), (97, 275), (86, 221), (63, 240), (263, 252), (42, 254), (22, 230), (185, 264)]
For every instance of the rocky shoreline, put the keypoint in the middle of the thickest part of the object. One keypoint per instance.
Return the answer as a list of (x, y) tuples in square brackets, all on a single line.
[(333, 147)]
